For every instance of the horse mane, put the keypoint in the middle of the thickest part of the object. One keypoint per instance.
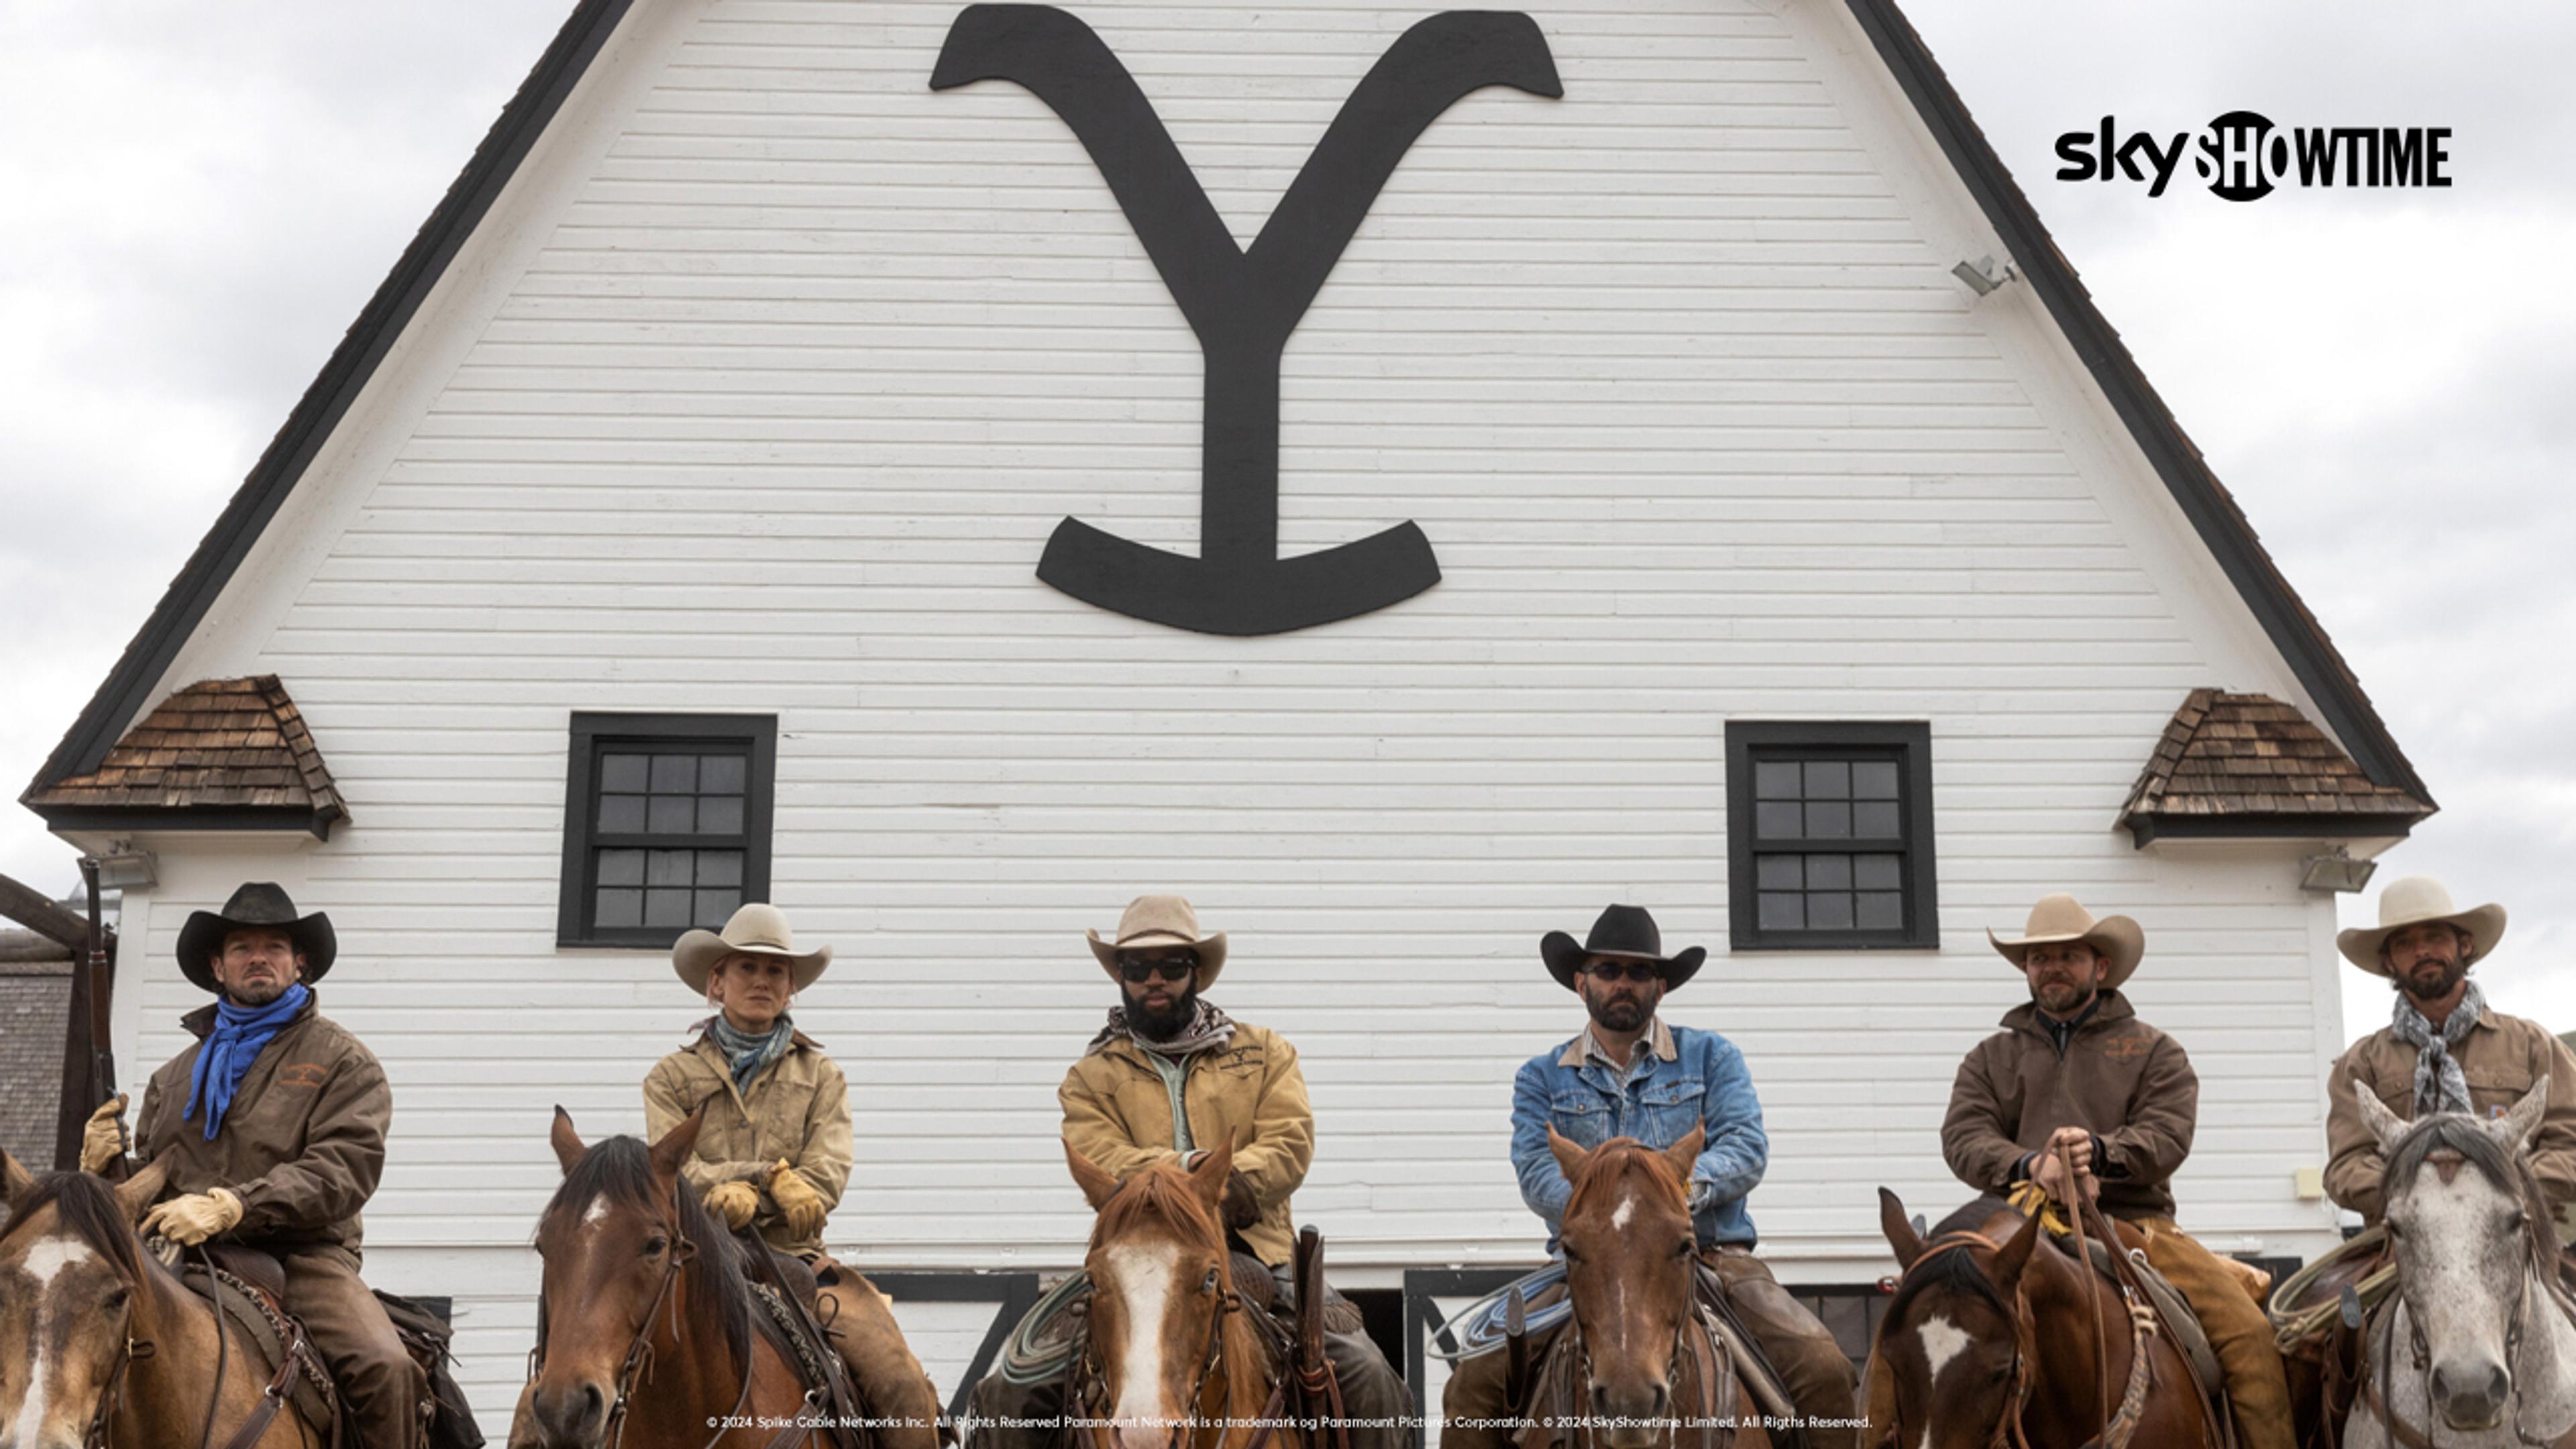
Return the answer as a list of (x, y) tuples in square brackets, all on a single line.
[(620, 1170), (88, 1208), (2508, 1170), (1618, 1156), (1164, 1195)]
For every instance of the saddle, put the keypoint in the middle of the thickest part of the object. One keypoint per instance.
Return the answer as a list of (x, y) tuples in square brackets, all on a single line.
[(789, 1292), (2174, 1315), (248, 1285)]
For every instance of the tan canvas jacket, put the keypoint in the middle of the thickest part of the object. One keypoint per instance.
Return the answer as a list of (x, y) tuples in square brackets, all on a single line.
[(2502, 1056), (1248, 1092), (302, 1145), (798, 1109), (2121, 1080)]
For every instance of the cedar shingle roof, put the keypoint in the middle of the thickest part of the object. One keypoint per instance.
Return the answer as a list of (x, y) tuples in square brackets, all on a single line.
[(234, 748), (2247, 764)]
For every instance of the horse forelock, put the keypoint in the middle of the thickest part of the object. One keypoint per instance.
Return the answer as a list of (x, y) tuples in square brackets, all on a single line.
[(1619, 1161), (86, 1208), (2446, 1139), (1158, 1195), (619, 1171)]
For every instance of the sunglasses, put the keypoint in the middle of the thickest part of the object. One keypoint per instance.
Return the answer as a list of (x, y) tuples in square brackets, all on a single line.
[(1615, 972), (1180, 968)]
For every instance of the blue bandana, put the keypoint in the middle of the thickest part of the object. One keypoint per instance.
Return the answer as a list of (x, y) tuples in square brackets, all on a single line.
[(225, 1057), (747, 1055)]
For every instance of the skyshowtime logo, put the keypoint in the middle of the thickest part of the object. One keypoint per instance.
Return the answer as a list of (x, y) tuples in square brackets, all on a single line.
[(2244, 157)]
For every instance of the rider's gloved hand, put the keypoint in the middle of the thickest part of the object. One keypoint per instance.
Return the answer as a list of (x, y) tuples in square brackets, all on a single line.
[(735, 1202), (1238, 1206), (796, 1198), (103, 1140), (192, 1219)]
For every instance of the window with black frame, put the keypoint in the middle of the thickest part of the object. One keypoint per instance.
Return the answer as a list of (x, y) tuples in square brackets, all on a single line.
[(666, 824), (1829, 835)]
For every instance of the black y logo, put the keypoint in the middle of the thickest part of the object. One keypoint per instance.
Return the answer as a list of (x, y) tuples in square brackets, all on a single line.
[(1242, 305)]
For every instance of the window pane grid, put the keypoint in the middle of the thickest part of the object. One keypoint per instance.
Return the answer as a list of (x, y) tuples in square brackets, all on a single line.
[(1826, 842)]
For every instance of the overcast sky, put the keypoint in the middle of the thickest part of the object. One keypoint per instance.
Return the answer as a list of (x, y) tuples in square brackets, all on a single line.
[(198, 199)]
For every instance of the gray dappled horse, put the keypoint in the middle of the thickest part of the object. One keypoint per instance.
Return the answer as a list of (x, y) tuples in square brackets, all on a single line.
[(2477, 1348)]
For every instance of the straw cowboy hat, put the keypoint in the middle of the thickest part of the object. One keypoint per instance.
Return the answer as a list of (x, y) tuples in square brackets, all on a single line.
[(758, 929), (1627, 932), (258, 904), (2059, 918), (1160, 921), (2412, 902)]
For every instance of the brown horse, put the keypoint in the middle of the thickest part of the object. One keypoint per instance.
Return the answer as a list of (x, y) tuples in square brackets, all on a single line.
[(1651, 1370), (648, 1333), (1173, 1361), (1989, 1342), (102, 1346)]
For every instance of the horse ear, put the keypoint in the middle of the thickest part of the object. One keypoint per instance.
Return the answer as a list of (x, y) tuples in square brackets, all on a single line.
[(2515, 1127), (1569, 1158), (2384, 1125), (2016, 1256), (1098, 1187), (135, 1195), (568, 1145), (674, 1147), (1899, 1229), (15, 1180), (1209, 1176), (1682, 1156)]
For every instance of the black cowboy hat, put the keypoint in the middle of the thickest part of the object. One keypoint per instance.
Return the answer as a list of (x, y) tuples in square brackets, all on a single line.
[(1623, 931), (259, 903)]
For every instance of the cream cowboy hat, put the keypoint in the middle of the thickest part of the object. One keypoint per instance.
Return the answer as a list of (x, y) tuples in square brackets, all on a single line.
[(2411, 902), (1160, 921), (2058, 918), (758, 929)]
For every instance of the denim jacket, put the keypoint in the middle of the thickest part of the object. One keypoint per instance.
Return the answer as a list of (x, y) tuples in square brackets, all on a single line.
[(1677, 1078)]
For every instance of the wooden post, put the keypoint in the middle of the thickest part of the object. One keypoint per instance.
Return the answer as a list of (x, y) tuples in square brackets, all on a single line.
[(89, 1064)]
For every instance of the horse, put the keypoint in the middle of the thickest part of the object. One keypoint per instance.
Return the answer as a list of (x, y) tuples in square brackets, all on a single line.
[(101, 1347), (649, 1335), (1631, 1269), (1173, 1360), (2490, 1333), (1988, 1342)]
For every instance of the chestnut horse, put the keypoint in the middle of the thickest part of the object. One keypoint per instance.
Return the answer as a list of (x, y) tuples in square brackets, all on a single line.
[(1173, 1361), (101, 1346), (1990, 1342), (1640, 1347), (648, 1333)]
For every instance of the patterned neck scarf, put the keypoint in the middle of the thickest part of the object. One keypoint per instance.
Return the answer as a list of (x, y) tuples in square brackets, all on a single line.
[(747, 1054), (2440, 1085), (1208, 1027), (240, 1032)]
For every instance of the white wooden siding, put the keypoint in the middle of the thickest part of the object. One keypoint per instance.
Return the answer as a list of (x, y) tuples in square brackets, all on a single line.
[(764, 392)]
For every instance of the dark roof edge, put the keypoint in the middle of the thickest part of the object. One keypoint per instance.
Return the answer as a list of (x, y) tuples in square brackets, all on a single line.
[(2145, 829), (2222, 526), (268, 818), (126, 692)]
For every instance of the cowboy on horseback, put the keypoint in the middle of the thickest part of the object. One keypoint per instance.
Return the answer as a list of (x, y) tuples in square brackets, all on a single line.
[(2444, 1049), (1630, 1074), (1167, 1080), (2075, 1078), (272, 1131)]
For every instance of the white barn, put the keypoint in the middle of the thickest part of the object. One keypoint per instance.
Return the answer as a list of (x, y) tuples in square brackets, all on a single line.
[(670, 527)]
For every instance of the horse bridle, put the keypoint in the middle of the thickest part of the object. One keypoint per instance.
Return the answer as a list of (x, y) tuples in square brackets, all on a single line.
[(2400, 1432), (100, 1434), (1091, 1372), (1691, 1317), (2006, 1432)]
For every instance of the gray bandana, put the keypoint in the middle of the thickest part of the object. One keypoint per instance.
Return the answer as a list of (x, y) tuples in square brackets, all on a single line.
[(746, 1056), (2440, 1085), (1209, 1027)]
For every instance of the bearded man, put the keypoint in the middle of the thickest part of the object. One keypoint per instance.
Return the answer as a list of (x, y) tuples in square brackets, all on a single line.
[(2444, 1049)]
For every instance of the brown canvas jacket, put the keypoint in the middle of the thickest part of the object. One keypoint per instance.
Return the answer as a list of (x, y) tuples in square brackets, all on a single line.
[(302, 1145), (798, 1109), (2121, 1080), (2502, 1057), (1248, 1092)]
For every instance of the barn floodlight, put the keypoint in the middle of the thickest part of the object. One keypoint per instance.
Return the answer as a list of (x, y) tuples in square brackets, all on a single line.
[(137, 870), (1982, 275), (2335, 871)]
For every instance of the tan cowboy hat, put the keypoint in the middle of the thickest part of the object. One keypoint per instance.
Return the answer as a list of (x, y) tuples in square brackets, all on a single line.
[(2411, 902), (1160, 921), (758, 929), (2059, 918)]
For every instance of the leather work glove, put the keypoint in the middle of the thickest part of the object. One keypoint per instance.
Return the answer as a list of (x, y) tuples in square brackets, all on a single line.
[(735, 1202), (802, 1206), (103, 1140), (192, 1219), (1239, 1208)]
